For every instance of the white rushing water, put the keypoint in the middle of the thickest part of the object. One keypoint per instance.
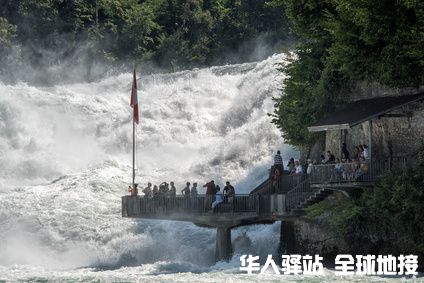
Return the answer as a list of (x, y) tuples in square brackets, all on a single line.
[(65, 155)]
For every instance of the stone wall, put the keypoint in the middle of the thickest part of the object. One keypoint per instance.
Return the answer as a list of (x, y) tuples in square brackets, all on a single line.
[(313, 235), (392, 137)]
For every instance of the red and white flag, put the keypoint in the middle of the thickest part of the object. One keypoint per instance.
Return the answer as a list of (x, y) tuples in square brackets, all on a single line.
[(134, 99)]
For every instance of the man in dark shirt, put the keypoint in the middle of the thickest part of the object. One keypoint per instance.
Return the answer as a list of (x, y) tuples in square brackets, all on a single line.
[(331, 158), (229, 191), (210, 188)]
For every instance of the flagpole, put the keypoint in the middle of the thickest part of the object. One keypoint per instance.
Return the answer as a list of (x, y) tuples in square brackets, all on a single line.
[(134, 105), (133, 157)]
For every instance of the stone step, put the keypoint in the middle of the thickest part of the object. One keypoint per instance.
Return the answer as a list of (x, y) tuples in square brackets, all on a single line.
[(325, 191), (318, 196), (297, 211), (312, 199)]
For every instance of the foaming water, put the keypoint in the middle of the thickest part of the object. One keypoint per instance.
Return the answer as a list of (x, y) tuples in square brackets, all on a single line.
[(64, 163)]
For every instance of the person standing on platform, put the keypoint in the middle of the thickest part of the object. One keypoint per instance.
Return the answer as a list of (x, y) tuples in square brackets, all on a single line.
[(210, 193), (229, 192), (186, 190), (345, 152), (291, 166), (310, 167), (155, 191), (194, 190), (133, 191), (194, 197), (276, 176), (148, 190), (331, 159), (172, 190), (210, 188), (365, 153), (278, 161)]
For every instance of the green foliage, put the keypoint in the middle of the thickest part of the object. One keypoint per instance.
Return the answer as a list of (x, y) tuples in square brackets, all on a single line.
[(380, 41), (386, 218), (342, 42), (396, 203), (321, 208), (170, 32), (300, 105), (7, 32)]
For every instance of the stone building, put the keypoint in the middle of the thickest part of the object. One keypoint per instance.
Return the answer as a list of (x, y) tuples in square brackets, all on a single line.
[(390, 122)]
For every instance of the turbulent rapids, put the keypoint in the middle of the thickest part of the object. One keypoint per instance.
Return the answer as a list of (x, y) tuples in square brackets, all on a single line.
[(65, 158), (65, 162)]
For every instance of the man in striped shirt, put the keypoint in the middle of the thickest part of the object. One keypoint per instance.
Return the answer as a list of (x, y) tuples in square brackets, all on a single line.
[(278, 162)]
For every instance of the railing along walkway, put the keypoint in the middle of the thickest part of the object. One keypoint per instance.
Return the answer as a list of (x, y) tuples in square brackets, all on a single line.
[(352, 173), (345, 173), (299, 193), (198, 205)]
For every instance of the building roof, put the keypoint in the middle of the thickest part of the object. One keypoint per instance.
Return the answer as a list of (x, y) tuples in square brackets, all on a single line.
[(360, 111)]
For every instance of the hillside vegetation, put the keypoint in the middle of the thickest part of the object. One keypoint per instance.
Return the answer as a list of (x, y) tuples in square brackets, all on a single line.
[(170, 34), (342, 42)]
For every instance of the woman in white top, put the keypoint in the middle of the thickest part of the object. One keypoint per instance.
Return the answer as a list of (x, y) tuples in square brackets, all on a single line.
[(299, 169), (218, 197), (310, 167), (365, 153)]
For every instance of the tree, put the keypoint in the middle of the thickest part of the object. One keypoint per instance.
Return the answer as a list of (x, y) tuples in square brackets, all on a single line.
[(342, 42)]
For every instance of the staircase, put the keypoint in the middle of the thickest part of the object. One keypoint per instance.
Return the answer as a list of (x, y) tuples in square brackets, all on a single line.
[(303, 195), (318, 196)]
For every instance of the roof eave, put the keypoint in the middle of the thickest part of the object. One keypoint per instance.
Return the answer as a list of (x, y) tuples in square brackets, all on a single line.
[(322, 128)]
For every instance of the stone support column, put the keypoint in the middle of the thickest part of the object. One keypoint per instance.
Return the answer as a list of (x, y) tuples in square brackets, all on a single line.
[(224, 249)]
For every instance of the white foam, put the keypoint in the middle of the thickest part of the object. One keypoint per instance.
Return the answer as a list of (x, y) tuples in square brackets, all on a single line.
[(65, 155)]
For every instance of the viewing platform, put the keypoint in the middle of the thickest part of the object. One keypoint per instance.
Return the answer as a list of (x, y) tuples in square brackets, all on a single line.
[(272, 200), (242, 210)]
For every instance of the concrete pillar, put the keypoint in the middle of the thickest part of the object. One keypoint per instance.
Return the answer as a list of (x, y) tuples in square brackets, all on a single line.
[(287, 238), (370, 140), (224, 249), (278, 203), (124, 207)]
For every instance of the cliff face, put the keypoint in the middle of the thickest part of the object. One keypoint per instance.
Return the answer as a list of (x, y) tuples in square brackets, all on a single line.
[(313, 234), (393, 137)]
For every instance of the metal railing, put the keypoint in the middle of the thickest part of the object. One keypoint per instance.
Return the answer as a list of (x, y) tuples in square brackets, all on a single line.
[(263, 188), (285, 183), (352, 172), (298, 194), (167, 205)]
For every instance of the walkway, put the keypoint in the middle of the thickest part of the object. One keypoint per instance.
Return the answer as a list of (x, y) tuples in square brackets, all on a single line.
[(265, 204)]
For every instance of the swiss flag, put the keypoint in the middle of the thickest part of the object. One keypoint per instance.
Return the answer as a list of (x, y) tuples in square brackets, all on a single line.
[(134, 99)]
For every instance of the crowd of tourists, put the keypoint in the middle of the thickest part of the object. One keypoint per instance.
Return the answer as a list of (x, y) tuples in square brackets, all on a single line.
[(213, 192), (348, 167)]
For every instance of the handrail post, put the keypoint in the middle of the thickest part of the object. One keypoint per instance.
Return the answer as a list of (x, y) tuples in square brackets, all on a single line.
[(257, 199)]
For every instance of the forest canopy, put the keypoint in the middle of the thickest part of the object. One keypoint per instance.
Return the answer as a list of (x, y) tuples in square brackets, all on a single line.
[(172, 34)]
